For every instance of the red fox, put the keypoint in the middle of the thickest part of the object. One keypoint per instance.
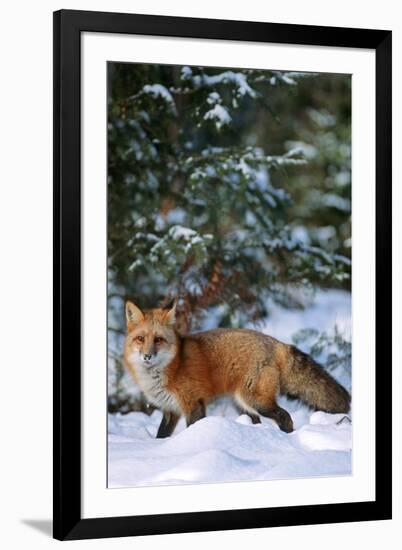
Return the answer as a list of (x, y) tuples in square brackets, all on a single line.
[(181, 374)]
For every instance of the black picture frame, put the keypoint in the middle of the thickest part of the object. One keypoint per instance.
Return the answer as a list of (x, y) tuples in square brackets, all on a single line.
[(68, 26)]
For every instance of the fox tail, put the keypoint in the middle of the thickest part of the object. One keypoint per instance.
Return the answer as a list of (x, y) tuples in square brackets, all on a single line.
[(307, 380)]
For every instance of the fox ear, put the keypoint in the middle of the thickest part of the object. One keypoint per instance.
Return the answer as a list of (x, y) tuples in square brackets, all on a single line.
[(133, 314), (170, 315)]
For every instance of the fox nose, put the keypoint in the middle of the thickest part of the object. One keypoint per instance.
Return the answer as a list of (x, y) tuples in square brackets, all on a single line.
[(147, 356)]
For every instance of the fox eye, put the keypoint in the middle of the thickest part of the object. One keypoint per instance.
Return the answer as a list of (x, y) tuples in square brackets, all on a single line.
[(139, 338), (158, 339)]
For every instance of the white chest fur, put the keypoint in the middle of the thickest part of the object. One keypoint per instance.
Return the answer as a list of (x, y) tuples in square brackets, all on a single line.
[(152, 383)]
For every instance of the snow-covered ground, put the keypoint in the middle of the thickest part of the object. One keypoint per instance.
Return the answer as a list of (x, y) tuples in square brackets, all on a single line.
[(227, 447)]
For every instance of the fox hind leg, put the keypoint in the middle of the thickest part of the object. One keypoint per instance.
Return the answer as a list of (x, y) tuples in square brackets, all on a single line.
[(259, 394), (281, 417)]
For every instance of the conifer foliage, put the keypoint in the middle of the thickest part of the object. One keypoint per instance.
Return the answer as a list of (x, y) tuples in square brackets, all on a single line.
[(197, 201)]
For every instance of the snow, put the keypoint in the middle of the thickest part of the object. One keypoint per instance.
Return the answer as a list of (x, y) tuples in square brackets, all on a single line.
[(308, 150), (219, 115), (335, 201), (159, 91), (186, 72), (300, 234), (327, 308), (214, 98), (223, 448), (322, 118), (289, 77), (227, 77), (179, 232), (176, 216), (226, 446)]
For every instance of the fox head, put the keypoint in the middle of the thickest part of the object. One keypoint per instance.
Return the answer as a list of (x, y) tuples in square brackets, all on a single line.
[(151, 340)]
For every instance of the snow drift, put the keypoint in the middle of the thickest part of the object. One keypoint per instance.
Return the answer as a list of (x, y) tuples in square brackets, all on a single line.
[(227, 447), (221, 448)]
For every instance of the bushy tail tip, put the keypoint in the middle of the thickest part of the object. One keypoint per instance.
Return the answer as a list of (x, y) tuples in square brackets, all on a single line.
[(307, 380)]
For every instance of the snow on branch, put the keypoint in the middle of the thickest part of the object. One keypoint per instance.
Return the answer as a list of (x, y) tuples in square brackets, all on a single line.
[(219, 115), (158, 92), (238, 79)]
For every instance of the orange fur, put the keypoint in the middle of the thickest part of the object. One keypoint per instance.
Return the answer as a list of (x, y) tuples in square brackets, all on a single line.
[(181, 375)]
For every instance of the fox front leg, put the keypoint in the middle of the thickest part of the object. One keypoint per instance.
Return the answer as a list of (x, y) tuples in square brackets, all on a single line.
[(196, 413), (168, 424)]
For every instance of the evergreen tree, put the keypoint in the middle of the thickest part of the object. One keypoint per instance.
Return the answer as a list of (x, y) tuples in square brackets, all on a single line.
[(195, 207)]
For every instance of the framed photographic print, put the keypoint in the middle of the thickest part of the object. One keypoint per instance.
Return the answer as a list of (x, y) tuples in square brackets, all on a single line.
[(222, 274)]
